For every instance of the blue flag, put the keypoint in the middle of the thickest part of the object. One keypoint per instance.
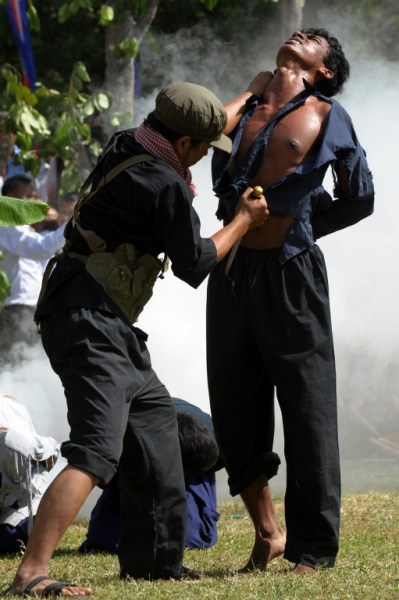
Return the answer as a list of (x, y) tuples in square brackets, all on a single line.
[(19, 22)]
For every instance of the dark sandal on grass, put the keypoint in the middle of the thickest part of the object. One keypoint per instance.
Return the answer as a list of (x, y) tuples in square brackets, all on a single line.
[(52, 589), (187, 573)]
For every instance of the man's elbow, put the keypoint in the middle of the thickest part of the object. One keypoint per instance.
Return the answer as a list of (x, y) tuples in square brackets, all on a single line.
[(192, 277)]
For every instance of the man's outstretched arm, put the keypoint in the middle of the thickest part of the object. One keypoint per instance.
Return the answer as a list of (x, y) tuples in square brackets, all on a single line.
[(235, 108)]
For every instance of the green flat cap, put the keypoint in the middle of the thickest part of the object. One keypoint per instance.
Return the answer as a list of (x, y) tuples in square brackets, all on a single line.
[(191, 109)]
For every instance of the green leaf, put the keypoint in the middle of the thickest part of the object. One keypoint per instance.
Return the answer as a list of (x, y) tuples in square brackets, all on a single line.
[(88, 108), (84, 130), (34, 21), (107, 15), (24, 140), (127, 48), (210, 4), (5, 288), (14, 211), (80, 71), (101, 101), (28, 121)]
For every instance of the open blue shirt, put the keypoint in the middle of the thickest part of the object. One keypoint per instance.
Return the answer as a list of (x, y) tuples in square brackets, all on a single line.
[(301, 194)]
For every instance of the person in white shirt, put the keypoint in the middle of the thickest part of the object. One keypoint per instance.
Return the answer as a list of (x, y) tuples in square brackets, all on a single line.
[(26, 459), (25, 252)]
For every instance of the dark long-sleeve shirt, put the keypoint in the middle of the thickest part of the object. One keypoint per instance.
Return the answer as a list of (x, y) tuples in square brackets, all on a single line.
[(300, 194), (148, 205)]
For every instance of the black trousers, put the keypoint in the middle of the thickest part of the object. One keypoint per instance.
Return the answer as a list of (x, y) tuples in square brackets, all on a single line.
[(120, 413), (269, 329)]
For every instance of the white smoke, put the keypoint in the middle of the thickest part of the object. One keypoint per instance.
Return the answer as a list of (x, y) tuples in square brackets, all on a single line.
[(361, 261)]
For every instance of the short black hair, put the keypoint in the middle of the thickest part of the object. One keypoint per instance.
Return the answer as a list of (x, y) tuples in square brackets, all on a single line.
[(335, 61), (198, 445), (15, 186)]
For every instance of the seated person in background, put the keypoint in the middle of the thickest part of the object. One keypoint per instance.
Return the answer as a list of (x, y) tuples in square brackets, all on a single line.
[(200, 456), (25, 461)]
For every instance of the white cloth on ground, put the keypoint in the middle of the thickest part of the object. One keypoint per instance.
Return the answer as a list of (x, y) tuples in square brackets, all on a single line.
[(25, 461)]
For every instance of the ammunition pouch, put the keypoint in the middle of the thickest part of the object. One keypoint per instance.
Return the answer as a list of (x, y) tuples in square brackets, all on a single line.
[(127, 276)]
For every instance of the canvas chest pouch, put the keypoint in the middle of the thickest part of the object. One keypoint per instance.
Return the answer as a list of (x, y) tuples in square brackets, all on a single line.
[(127, 276)]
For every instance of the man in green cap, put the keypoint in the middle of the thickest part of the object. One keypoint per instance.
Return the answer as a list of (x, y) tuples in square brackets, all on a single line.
[(135, 206)]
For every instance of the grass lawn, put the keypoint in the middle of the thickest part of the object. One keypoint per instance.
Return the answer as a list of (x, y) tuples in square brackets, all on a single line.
[(367, 567)]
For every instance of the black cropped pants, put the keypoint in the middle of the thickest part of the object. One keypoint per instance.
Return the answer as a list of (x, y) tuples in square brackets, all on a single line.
[(269, 330), (120, 413)]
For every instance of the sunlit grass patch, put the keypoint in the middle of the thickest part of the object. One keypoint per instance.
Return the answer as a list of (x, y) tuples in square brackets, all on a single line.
[(367, 566)]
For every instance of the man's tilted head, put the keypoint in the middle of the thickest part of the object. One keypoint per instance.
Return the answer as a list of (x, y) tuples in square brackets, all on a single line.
[(335, 60)]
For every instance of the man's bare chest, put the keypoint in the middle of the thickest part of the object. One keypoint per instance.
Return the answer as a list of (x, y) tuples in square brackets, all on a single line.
[(292, 136)]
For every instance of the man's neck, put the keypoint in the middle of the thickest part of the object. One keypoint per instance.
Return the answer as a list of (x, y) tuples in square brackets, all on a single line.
[(285, 85)]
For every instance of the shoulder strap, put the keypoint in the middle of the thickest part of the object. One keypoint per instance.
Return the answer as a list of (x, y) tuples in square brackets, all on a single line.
[(85, 194), (95, 243)]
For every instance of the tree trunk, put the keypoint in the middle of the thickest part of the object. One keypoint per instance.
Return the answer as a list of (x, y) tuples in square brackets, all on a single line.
[(291, 17), (119, 73)]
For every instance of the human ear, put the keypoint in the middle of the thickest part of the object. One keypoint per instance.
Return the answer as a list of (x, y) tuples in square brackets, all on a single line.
[(182, 145), (326, 73)]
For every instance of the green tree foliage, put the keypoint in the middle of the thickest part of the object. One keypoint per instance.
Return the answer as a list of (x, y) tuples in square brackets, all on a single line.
[(60, 36), (65, 32), (57, 118), (228, 18), (48, 122)]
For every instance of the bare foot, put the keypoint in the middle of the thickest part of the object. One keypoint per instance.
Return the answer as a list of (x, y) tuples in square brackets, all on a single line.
[(302, 570), (264, 551), (45, 586)]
